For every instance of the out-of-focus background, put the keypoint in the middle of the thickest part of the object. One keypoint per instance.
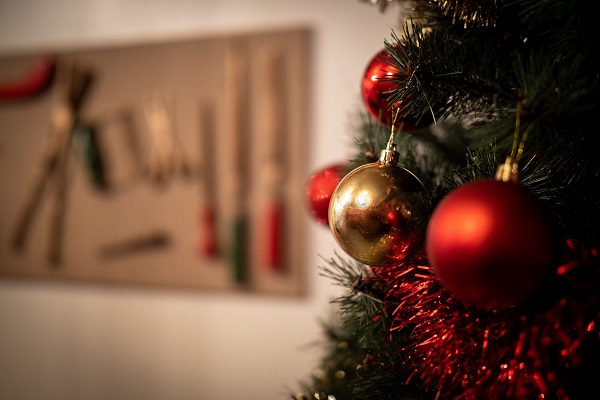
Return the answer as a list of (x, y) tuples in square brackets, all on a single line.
[(64, 340)]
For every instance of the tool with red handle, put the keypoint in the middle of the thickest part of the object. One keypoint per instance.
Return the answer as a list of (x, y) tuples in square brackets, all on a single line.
[(207, 242), (35, 81), (207, 216), (274, 113), (273, 251)]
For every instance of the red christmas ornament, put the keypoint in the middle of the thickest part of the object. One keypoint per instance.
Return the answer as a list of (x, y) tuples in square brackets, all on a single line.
[(376, 87), (319, 188), (490, 243)]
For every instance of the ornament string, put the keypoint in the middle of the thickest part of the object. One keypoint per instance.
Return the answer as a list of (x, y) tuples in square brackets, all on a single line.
[(509, 171), (390, 155), (513, 151), (519, 145), (391, 140)]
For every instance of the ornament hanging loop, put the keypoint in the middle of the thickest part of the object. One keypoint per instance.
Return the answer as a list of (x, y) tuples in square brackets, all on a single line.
[(509, 171), (389, 155)]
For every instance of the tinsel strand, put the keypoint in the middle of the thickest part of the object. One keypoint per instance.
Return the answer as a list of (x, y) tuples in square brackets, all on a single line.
[(466, 353)]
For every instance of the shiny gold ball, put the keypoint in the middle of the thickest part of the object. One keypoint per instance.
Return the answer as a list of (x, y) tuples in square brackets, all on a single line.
[(378, 213)]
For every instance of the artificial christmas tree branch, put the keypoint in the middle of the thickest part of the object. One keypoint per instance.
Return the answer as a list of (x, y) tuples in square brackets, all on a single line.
[(516, 79)]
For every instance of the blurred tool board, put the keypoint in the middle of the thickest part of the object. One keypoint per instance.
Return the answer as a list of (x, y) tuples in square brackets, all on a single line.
[(164, 174)]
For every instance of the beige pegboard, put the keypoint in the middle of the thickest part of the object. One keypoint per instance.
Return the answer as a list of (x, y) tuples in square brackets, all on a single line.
[(260, 142)]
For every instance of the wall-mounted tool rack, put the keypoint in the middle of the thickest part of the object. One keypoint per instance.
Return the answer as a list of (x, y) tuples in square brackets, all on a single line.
[(184, 165)]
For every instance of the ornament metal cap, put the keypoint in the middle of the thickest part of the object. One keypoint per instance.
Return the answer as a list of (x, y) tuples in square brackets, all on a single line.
[(509, 171), (389, 155)]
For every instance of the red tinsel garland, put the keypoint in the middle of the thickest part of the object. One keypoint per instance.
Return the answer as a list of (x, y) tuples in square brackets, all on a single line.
[(545, 349)]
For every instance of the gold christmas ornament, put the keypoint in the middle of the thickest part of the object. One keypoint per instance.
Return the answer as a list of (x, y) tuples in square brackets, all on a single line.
[(378, 213)]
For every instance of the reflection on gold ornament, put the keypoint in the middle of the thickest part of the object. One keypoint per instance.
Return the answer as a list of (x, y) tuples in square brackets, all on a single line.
[(379, 211)]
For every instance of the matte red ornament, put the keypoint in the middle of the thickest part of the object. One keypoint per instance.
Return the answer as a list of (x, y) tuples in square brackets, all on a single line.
[(490, 243), (319, 188), (376, 88)]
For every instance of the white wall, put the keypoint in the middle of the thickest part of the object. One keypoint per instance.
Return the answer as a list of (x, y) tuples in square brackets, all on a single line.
[(64, 341)]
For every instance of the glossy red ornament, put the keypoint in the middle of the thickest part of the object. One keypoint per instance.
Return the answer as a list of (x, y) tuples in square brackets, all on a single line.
[(319, 188), (490, 243), (376, 88)]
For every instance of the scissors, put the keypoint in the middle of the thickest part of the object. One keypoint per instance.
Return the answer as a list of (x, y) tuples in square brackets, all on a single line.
[(53, 166)]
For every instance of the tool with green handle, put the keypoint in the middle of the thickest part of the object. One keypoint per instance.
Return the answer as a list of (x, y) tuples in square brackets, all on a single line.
[(236, 70)]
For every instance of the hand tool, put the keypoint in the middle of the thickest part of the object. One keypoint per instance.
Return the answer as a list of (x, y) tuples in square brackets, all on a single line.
[(86, 142), (236, 92), (37, 79), (274, 115), (53, 164), (166, 157), (207, 218), (135, 245)]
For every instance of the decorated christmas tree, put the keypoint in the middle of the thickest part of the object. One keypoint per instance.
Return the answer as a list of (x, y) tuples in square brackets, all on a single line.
[(468, 212)]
